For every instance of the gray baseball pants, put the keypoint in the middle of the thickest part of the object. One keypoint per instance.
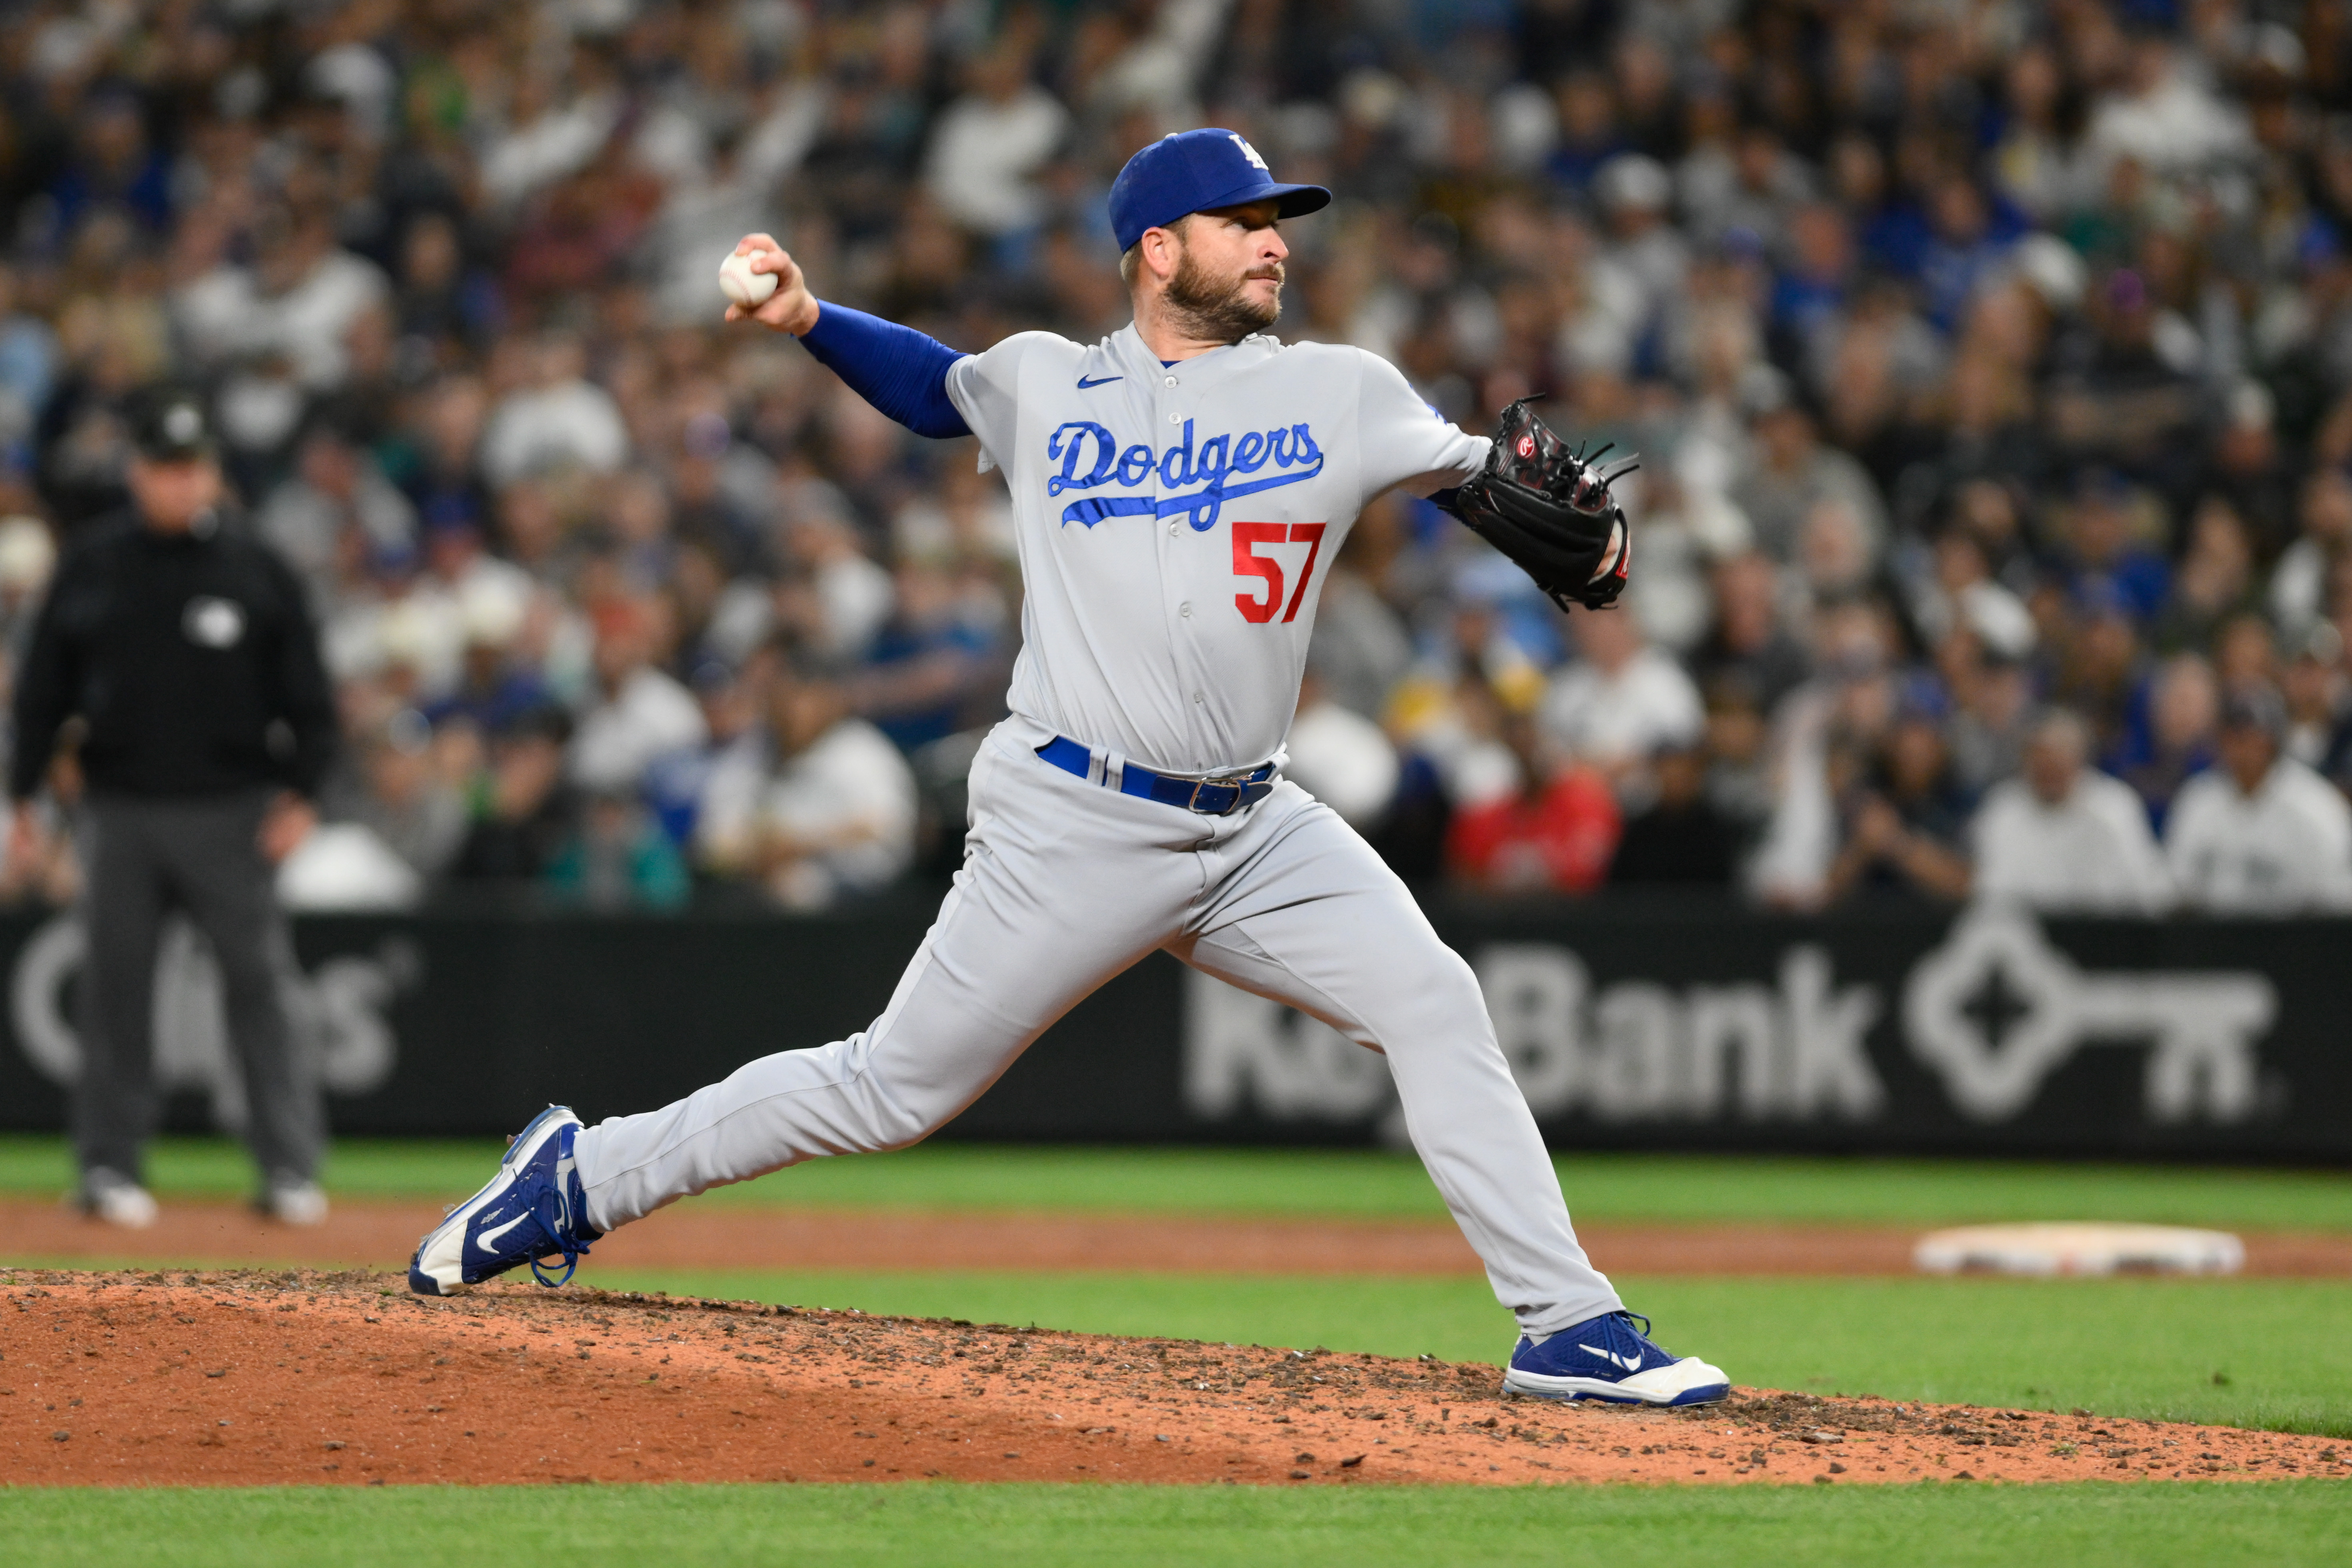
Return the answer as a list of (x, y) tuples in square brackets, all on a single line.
[(143, 859), (1066, 883)]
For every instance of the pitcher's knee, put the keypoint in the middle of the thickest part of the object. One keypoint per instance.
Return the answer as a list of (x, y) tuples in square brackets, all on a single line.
[(881, 1108), (895, 1126), (1447, 992), (1441, 1005), (905, 1114)]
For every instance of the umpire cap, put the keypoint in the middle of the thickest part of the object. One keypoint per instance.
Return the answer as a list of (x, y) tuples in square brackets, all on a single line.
[(1196, 171), (170, 426)]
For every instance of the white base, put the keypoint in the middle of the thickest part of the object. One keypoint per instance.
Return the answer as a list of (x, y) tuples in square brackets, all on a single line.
[(2085, 1248)]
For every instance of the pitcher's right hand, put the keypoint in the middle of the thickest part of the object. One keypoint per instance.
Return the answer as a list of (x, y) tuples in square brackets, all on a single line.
[(792, 308)]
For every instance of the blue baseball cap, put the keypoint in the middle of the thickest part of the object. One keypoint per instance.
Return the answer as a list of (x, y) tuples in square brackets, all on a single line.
[(1193, 171)]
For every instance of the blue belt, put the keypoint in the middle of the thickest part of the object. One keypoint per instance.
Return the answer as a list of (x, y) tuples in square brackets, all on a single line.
[(1210, 797)]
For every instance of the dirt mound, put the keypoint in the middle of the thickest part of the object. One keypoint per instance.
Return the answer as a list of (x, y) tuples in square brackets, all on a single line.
[(703, 1236), (249, 1378)]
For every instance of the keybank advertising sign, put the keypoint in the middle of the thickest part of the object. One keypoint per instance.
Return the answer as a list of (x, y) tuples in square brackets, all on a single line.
[(1625, 1026), (1994, 1028)]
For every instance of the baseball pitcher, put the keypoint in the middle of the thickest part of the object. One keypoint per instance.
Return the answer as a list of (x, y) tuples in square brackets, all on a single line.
[(1181, 488)]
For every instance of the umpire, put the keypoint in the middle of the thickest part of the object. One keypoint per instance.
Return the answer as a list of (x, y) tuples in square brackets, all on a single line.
[(186, 652)]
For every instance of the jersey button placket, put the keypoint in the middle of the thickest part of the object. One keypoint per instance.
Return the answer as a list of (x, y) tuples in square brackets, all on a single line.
[(1186, 657)]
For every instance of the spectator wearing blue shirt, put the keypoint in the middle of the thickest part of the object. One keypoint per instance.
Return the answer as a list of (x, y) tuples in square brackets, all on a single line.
[(28, 368), (1589, 134), (1970, 242), (1810, 291), (1893, 231), (113, 165), (2103, 672), (932, 660), (2107, 552)]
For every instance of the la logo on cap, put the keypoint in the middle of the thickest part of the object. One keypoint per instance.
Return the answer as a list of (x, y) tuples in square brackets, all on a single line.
[(1247, 151)]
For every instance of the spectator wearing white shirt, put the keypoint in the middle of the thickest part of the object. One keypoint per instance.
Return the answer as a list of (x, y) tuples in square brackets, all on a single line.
[(562, 419), (28, 559), (837, 598), (549, 134), (1622, 701), (1362, 646), (1789, 473), (2262, 834), (1638, 274), (335, 487), (297, 301), (2298, 591), (2162, 117), (987, 146), (813, 802), (2065, 838), (639, 714), (1340, 757)]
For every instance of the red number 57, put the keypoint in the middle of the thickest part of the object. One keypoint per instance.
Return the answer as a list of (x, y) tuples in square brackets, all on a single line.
[(1248, 563)]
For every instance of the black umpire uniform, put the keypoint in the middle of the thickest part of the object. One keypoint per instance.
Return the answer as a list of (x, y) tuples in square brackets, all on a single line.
[(188, 654)]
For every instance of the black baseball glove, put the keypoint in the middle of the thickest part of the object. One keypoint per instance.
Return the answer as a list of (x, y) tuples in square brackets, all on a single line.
[(1550, 509)]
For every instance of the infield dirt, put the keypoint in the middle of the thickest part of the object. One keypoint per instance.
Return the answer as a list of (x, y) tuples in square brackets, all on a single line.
[(249, 1378)]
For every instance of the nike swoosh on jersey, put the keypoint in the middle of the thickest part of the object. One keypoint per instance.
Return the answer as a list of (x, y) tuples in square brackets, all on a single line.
[(487, 1241), (1085, 386), (1613, 1359)]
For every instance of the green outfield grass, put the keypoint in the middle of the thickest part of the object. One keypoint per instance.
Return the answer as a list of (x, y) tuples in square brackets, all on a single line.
[(2281, 1349), (1365, 1184), (1930, 1525)]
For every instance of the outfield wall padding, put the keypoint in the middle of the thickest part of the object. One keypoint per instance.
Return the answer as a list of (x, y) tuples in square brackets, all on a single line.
[(1662, 1025)]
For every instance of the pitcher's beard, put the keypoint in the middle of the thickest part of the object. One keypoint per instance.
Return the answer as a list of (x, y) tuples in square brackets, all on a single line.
[(1216, 309)]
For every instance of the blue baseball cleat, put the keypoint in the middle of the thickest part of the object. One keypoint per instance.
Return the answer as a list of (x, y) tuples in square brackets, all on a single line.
[(1606, 1358), (531, 1210)]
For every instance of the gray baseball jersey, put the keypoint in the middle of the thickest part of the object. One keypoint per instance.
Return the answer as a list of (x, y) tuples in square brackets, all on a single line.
[(1176, 524)]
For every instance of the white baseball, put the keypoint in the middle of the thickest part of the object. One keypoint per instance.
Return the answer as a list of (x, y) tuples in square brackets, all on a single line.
[(744, 287)]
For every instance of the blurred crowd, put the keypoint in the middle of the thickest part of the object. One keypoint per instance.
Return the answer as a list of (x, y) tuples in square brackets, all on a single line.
[(1990, 363)]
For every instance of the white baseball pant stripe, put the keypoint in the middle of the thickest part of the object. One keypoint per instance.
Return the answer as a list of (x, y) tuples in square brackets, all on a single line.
[(1065, 884)]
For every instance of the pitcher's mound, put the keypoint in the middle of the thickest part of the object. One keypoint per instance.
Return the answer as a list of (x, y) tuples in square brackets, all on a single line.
[(252, 1378)]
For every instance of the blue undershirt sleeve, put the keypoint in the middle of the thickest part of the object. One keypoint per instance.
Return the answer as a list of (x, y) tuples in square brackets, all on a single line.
[(899, 370)]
